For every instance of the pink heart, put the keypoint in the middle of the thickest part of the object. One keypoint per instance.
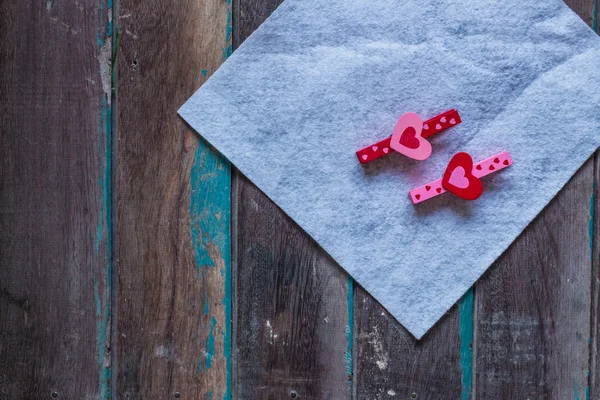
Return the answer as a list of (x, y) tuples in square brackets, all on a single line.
[(385, 150), (375, 148), (458, 178), (443, 119), (453, 121), (438, 127), (364, 157), (407, 138)]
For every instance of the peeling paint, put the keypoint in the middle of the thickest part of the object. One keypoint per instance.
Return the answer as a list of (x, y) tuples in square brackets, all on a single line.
[(210, 182), (465, 316), (210, 343), (104, 60), (381, 357), (271, 335), (102, 284)]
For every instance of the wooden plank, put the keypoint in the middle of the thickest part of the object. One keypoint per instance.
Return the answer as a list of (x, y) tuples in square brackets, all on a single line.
[(174, 211), (292, 322), (585, 9), (533, 307), (55, 212), (294, 304), (391, 362), (594, 229)]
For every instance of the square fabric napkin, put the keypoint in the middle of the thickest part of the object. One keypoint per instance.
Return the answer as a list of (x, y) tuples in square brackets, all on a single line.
[(321, 79)]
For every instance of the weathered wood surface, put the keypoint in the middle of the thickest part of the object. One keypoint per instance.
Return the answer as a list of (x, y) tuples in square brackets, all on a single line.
[(174, 207), (391, 362), (293, 326), (533, 307), (54, 200), (292, 317), (595, 287)]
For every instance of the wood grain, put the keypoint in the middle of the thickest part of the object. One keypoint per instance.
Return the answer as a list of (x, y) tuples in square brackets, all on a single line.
[(391, 362), (54, 200), (594, 228), (533, 307), (248, 15), (174, 206), (293, 322)]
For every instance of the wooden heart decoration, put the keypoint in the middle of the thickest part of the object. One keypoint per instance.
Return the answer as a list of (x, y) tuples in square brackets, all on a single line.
[(407, 138), (459, 178)]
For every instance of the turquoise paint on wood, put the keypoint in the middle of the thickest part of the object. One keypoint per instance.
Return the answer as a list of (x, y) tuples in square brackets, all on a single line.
[(465, 319), (227, 304), (595, 17), (103, 298), (228, 32), (104, 228), (210, 343), (210, 212)]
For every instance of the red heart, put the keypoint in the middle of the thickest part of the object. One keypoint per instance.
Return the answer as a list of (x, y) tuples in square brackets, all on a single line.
[(459, 179), (409, 138)]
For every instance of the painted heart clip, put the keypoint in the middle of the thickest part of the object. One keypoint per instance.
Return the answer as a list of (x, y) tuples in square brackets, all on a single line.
[(410, 136), (462, 177)]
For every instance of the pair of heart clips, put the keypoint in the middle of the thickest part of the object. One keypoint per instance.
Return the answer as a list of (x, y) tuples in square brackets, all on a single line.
[(461, 176)]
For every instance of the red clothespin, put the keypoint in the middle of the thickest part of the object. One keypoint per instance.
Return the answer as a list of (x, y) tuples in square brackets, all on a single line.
[(409, 137)]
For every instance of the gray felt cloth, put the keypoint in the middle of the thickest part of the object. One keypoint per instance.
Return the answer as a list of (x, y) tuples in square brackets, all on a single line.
[(321, 79)]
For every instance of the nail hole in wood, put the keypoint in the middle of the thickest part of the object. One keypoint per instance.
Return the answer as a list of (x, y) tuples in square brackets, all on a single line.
[(177, 395), (293, 394), (413, 395), (54, 395)]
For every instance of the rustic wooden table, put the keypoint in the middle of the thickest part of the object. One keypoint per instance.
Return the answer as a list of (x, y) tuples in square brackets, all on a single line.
[(137, 264)]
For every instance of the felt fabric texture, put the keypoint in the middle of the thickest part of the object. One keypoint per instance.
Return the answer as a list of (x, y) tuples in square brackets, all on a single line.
[(321, 79)]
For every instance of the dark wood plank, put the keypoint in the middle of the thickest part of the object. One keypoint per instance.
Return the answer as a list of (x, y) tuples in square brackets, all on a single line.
[(391, 362), (533, 307), (292, 322), (294, 304), (248, 15), (594, 229), (174, 207), (585, 9), (54, 200)]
